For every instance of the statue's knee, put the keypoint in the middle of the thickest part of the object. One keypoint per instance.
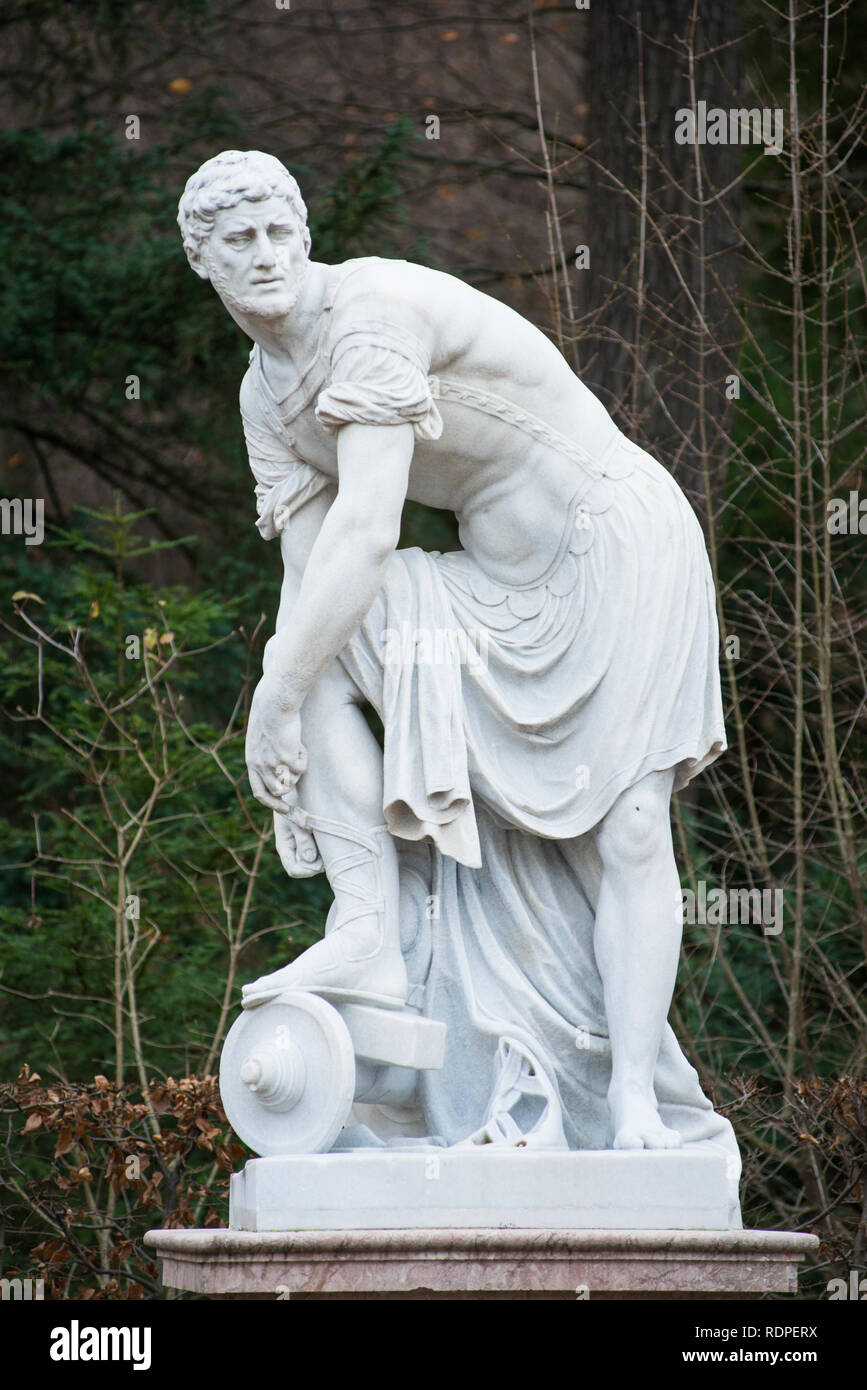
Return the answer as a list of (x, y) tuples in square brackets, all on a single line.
[(635, 831)]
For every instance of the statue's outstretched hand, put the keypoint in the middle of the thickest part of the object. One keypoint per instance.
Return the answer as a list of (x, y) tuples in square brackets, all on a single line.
[(276, 757)]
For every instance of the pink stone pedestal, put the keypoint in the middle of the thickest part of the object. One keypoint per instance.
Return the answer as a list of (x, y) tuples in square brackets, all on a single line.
[(482, 1264)]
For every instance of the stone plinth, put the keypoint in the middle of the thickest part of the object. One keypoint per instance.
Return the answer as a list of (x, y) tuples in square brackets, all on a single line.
[(481, 1188), (481, 1264)]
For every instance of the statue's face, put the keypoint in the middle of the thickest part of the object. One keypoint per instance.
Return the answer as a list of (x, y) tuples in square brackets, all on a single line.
[(255, 257)]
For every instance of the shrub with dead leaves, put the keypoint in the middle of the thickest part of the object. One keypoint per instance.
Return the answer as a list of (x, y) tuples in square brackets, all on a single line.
[(90, 1167)]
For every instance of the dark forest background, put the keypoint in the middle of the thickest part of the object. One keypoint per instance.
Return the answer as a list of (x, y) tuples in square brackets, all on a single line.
[(718, 309)]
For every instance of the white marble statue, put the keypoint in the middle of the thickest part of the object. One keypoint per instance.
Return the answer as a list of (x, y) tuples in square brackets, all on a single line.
[(505, 865)]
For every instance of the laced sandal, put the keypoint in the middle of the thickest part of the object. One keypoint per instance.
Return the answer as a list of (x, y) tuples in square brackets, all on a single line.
[(338, 967)]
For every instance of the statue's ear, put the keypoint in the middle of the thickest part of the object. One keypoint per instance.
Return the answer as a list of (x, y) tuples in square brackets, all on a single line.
[(195, 261)]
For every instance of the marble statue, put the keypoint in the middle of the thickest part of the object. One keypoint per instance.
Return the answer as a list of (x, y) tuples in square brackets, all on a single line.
[(502, 866)]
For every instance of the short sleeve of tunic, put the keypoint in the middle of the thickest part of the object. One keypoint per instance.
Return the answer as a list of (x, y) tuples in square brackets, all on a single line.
[(284, 483), (379, 376)]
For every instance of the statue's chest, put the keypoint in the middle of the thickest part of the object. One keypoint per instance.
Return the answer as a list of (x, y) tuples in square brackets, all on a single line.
[(310, 442), (294, 419)]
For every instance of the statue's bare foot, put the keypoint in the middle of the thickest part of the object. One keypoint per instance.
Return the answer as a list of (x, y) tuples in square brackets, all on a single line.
[(351, 963), (636, 1123)]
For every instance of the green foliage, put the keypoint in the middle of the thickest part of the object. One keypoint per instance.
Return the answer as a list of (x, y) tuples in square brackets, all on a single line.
[(361, 212), (96, 289), (124, 740)]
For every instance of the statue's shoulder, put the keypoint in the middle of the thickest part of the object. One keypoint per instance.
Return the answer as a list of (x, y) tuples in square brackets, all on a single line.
[(250, 393), (370, 275), (398, 296), (255, 401)]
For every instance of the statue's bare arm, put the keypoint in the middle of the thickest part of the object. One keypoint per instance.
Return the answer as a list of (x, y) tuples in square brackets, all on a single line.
[(344, 571)]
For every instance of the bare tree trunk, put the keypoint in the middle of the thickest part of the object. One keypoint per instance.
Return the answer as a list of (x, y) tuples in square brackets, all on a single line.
[(662, 245)]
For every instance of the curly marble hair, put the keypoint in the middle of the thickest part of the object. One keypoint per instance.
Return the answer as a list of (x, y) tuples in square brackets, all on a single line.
[(226, 180)]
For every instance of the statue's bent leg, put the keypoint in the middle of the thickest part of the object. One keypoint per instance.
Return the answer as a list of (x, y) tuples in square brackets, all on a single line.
[(637, 944), (341, 795)]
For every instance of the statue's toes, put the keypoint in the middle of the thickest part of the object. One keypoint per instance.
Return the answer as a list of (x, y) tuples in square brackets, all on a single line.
[(627, 1138), (652, 1136), (668, 1139)]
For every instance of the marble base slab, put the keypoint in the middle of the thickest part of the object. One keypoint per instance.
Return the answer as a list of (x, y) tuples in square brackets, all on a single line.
[(482, 1264), (431, 1188)]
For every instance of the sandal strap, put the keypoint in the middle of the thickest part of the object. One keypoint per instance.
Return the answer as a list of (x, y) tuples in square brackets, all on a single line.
[(368, 848)]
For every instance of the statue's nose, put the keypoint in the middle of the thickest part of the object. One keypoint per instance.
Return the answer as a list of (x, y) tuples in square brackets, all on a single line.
[(265, 255)]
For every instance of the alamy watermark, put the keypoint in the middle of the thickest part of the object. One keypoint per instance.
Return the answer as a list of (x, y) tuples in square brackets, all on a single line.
[(738, 126), (435, 646), (25, 1290), (77, 1343), (847, 516), (23, 516), (715, 907), (854, 1290)]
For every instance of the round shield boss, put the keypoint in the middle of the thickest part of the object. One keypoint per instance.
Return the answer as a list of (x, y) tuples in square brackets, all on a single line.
[(287, 1075)]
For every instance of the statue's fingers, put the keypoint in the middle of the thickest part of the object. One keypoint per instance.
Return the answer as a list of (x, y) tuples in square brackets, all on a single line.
[(296, 760), (278, 779), (296, 848), (286, 784), (305, 846), (262, 794), (287, 848)]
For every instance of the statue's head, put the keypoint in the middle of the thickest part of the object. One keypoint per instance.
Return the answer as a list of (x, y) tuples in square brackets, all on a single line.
[(244, 228)]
